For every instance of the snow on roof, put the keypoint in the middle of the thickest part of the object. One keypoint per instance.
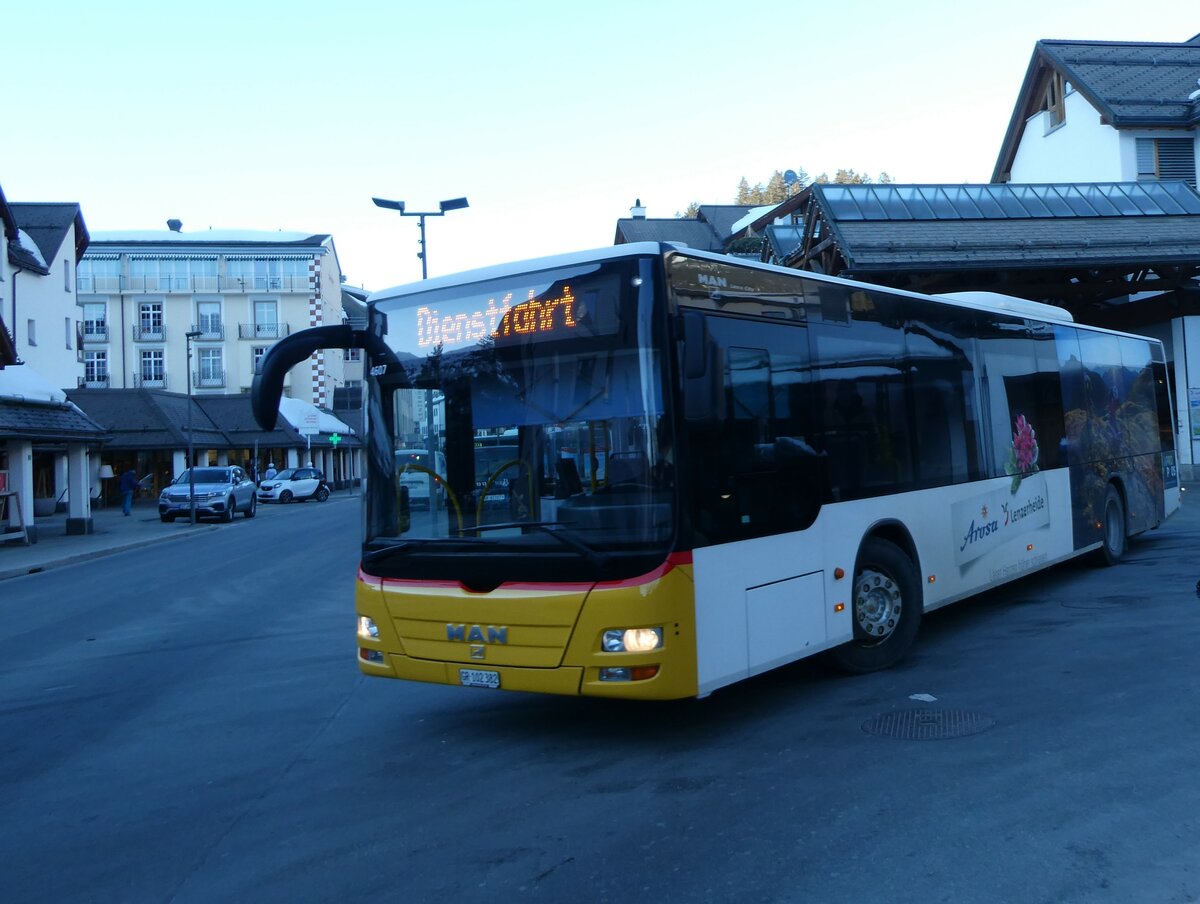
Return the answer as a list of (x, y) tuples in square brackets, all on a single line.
[(209, 235), (26, 385), (750, 217), (30, 246), (294, 411)]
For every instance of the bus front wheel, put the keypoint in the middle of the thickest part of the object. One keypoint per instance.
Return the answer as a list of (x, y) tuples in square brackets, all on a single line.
[(886, 599)]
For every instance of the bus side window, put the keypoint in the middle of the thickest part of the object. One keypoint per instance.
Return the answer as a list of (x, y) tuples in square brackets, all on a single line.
[(941, 359)]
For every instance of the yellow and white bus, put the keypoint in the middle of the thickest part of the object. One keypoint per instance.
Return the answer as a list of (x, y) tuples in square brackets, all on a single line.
[(715, 467)]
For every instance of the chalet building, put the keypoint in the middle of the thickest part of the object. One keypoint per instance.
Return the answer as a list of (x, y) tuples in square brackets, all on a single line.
[(1092, 207), (46, 443)]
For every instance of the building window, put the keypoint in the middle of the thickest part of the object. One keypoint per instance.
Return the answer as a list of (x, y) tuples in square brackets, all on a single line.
[(95, 369), (257, 355), (267, 274), (353, 354), (212, 368), (95, 322), (208, 319), (1054, 100), (98, 275), (66, 276), (31, 331), (1166, 158), (152, 372), (68, 333), (150, 321), (266, 320)]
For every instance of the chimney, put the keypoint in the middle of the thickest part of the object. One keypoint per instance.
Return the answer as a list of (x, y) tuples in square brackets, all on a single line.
[(175, 225), (637, 211)]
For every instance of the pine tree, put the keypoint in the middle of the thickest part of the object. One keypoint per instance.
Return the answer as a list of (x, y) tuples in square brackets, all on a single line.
[(776, 190), (692, 212), (743, 192)]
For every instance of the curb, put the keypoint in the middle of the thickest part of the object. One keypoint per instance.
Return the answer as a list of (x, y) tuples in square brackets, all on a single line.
[(99, 553)]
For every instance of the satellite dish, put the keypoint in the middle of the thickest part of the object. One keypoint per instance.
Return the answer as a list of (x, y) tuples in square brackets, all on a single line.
[(789, 177)]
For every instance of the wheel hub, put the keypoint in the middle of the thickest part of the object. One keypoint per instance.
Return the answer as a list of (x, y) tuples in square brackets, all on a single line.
[(877, 604)]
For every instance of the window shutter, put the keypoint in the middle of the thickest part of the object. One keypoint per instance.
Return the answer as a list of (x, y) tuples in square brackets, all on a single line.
[(1177, 159), (1166, 158)]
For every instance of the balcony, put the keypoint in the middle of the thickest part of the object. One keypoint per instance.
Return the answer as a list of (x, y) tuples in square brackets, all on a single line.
[(96, 381), (263, 330), (209, 330), (149, 332), (95, 332), (97, 284), (150, 381), (265, 284), (212, 379), (184, 284)]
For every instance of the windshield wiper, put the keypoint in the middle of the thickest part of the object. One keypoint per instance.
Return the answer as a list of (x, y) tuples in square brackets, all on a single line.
[(597, 558), (386, 552)]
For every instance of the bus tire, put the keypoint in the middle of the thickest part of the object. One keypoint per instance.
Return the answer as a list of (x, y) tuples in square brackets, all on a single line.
[(1112, 525), (885, 608)]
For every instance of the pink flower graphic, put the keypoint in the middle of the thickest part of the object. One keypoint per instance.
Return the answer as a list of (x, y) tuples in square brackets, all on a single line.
[(1025, 446), (1023, 457)]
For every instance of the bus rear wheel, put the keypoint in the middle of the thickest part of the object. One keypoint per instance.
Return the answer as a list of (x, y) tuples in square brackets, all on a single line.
[(886, 609), (1112, 547)]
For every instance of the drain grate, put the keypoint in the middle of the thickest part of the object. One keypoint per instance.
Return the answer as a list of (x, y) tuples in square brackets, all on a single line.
[(928, 724)]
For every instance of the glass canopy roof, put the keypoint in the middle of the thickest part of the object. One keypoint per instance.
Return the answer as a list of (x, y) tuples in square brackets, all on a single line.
[(1008, 201)]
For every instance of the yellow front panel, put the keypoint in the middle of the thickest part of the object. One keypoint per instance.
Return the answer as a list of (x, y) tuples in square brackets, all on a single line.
[(504, 627), (545, 641)]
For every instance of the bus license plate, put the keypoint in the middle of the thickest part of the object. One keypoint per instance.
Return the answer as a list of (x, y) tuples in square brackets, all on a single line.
[(479, 678)]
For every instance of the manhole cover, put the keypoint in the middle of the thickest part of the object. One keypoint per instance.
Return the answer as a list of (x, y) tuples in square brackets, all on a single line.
[(928, 724)]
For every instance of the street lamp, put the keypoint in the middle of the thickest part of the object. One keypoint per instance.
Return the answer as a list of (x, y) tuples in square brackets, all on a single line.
[(194, 334), (452, 204), (443, 206)]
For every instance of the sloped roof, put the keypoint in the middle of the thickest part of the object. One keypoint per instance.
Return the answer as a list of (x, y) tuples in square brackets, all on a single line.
[(710, 230), (693, 233), (232, 415), (723, 217), (48, 224), (148, 418), (928, 227), (47, 422), (1132, 84)]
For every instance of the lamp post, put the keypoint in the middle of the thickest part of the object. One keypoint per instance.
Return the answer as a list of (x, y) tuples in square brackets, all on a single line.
[(452, 204), (443, 206), (191, 462)]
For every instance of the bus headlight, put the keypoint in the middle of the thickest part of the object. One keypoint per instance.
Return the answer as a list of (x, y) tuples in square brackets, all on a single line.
[(631, 640), (367, 628)]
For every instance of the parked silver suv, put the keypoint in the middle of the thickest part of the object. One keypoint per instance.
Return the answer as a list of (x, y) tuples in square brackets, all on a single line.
[(220, 493)]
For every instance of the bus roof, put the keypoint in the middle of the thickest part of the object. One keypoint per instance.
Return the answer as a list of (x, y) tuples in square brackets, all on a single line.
[(499, 271), (988, 301)]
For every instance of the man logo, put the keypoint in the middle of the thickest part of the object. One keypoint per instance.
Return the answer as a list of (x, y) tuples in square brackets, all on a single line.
[(475, 634), (477, 651)]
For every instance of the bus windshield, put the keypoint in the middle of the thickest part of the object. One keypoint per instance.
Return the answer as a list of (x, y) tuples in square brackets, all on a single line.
[(525, 416)]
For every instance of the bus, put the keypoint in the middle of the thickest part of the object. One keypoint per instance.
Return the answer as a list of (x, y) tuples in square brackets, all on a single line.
[(714, 467)]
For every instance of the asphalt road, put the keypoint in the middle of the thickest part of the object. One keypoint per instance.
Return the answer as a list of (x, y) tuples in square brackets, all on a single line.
[(186, 723)]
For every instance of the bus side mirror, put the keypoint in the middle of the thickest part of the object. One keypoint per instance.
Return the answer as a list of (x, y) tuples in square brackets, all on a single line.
[(702, 371)]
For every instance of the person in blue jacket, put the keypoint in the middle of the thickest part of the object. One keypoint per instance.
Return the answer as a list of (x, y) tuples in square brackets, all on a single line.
[(129, 484)]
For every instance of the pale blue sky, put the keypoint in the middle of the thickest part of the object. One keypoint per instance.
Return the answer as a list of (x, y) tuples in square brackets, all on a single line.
[(550, 117)]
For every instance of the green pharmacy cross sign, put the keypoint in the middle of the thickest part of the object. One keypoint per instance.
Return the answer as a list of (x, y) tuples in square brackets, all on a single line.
[(334, 439)]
